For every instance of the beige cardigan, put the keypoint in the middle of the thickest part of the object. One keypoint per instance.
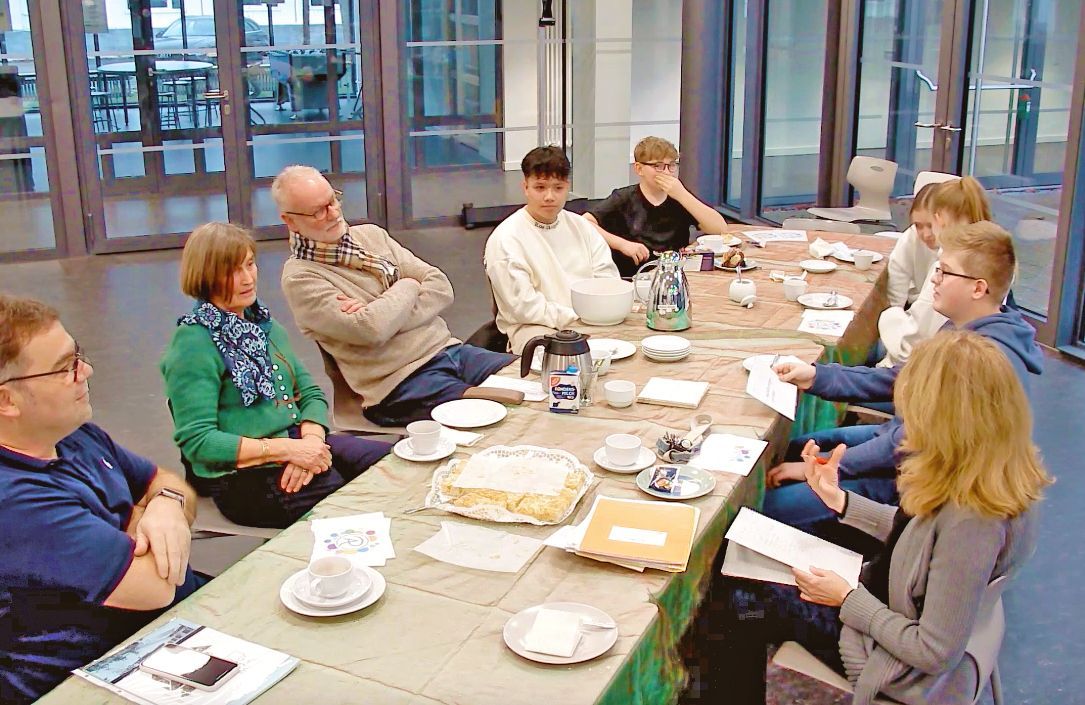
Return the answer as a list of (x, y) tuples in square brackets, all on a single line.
[(397, 331)]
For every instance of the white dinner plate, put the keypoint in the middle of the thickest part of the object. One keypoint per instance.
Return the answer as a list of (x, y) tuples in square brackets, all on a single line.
[(692, 482), (621, 349), (878, 257), (755, 360), (750, 264), (360, 583), (733, 242), (293, 604), (818, 301), (646, 459), (667, 358), (468, 413), (817, 266), (403, 449), (594, 642)]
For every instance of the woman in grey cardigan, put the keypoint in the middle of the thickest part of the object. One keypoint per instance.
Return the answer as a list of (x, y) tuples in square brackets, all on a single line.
[(968, 483)]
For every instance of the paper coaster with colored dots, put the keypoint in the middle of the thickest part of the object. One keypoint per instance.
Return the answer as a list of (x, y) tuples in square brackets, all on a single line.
[(349, 541)]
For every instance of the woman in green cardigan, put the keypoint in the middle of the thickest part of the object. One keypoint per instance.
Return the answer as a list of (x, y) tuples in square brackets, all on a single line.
[(247, 415)]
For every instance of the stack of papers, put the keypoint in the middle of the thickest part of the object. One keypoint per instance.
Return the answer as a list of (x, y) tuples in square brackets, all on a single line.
[(825, 323), (767, 236), (673, 392), (480, 548), (765, 386), (365, 539), (633, 533), (260, 668), (772, 549), (722, 452)]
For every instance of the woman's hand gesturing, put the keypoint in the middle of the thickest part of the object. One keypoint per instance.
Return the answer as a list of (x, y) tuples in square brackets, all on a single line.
[(823, 475)]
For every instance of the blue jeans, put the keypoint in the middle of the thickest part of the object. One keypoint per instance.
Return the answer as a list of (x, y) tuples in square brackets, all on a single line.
[(445, 377), (795, 504)]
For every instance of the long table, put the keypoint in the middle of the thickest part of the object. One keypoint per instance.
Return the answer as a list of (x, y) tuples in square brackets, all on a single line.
[(435, 635)]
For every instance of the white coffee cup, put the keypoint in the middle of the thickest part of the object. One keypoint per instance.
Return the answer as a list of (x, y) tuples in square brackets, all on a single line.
[(863, 259), (330, 576), (619, 393), (794, 287), (716, 243), (622, 448), (425, 436)]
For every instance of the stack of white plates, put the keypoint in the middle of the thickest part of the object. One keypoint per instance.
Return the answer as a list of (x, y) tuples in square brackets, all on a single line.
[(665, 348)]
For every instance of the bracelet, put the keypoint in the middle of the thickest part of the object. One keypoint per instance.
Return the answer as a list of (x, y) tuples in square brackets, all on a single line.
[(314, 435), (265, 449)]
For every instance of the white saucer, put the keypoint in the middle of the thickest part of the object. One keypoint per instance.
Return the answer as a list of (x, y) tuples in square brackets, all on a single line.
[(817, 300), (404, 450), (733, 242), (646, 459), (295, 605), (598, 346), (817, 266), (359, 585), (665, 344)]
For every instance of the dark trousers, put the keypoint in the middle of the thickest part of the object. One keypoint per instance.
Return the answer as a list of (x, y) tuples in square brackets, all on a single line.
[(252, 497), (740, 619), (445, 377)]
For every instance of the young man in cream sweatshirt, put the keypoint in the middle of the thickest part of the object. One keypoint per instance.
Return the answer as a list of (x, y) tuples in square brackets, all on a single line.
[(536, 253)]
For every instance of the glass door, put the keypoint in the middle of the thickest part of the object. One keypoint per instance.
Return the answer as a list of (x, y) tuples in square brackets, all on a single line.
[(191, 107), (1021, 81), (306, 68), (150, 103), (901, 114)]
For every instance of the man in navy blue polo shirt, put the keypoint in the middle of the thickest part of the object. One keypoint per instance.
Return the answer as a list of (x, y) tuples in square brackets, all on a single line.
[(94, 540)]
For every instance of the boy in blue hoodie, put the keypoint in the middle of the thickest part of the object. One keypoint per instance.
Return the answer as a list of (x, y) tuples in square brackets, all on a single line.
[(973, 275)]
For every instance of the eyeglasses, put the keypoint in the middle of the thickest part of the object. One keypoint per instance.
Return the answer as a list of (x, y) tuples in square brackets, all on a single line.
[(72, 368), (940, 273), (663, 166), (322, 212)]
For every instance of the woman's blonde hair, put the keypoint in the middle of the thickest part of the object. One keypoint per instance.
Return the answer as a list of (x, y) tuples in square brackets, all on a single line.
[(963, 198), (213, 252), (922, 200), (967, 430)]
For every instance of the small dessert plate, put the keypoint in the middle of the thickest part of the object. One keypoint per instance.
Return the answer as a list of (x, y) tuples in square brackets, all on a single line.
[(691, 482), (817, 266), (594, 641)]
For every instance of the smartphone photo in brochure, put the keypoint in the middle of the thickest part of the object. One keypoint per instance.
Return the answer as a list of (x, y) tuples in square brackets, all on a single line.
[(189, 667)]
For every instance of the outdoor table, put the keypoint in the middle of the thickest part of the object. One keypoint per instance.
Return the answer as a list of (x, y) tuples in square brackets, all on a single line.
[(436, 634), (171, 69)]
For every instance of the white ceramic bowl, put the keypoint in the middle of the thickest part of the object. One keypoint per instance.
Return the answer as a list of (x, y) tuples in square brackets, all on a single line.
[(602, 302), (619, 392)]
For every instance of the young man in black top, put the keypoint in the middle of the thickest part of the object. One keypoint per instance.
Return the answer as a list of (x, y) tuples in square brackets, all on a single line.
[(654, 214)]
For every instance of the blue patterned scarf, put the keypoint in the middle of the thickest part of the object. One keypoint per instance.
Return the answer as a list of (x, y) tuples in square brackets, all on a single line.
[(242, 344)]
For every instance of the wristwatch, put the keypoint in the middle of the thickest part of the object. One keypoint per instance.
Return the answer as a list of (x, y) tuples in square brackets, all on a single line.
[(172, 494)]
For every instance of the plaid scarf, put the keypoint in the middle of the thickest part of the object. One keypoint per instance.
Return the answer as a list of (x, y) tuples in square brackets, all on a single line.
[(347, 252)]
